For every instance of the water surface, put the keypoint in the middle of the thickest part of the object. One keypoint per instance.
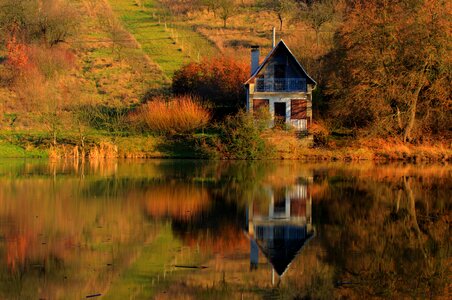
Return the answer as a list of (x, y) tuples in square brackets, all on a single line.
[(168, 229)]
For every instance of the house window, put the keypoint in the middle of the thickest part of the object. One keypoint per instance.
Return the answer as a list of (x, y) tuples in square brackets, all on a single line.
[(298, 109), (280, 78), (280, 71), (260, 104)]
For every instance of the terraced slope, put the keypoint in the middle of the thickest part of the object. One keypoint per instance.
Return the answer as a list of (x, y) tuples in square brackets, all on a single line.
[(167, 44)]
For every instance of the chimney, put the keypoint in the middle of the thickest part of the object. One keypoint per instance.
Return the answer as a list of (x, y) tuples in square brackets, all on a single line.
[(254, 58), (274, 37)]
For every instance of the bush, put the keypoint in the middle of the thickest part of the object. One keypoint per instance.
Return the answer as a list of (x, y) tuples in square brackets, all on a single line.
[(320, 134), (217, 80), (49, 21), (178, 115), (51, 61), (112, 119), (241, 137)]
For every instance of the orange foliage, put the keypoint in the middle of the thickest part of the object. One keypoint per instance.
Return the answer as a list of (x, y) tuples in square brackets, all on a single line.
[(17, 53), (390, 73), (227, 240), (178, 115), (218, 80), (50, 61), (16, 248), (180, 203)]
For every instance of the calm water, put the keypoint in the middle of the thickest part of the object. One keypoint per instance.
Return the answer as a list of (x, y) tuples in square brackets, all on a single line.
[(224, 230)]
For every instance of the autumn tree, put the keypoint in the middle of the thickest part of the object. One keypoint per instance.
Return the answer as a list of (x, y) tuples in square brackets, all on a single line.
[(226, 9), (212, 5), (317, 14), (392, 67), (17, 53), (48, 21), (282, 8), (217, 80)]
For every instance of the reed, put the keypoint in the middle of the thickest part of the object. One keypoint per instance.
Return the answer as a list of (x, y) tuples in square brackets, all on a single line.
[(103, 150), (178, 115)]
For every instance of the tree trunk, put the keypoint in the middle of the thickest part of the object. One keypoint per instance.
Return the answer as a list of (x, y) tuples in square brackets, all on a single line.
[(317, 37), (54, 137), (280, 22), (399, 119), (412, 115), (412, 211)]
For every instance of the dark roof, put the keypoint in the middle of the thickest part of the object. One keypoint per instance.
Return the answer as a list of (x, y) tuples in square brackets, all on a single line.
[(282, 249), (282, 45)]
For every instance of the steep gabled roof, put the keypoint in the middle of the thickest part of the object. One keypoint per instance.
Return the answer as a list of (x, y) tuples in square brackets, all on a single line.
[(271, 54), (281, 251)]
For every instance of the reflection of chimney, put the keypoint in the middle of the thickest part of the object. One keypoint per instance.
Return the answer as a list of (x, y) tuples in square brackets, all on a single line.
[(254, 255), (255, 53)]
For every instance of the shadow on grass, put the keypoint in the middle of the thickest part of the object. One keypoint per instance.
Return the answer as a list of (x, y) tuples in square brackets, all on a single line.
[(181, 146)]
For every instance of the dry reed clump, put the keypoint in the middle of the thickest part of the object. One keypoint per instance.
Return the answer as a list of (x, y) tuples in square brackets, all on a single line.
[(103, 150), (66, 152), (178, 115)]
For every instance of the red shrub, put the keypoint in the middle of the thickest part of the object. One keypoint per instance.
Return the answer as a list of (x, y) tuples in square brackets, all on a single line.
[(17, 53), (217, 80)]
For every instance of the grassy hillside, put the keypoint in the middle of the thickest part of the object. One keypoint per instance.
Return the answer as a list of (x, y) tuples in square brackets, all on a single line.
[(109, 68), (167, 44), (112, 60), (80, 95)]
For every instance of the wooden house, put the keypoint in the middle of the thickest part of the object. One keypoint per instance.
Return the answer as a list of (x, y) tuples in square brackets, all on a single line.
[(281, 86)]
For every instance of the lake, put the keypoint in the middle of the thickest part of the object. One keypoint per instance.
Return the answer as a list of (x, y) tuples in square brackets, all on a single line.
[(183, 229)]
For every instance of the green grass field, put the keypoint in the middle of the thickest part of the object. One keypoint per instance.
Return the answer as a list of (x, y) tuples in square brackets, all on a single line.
[(115, 76), (8, 150), (169, 45)]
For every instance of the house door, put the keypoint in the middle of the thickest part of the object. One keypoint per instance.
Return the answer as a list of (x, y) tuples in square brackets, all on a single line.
[(280, 114)]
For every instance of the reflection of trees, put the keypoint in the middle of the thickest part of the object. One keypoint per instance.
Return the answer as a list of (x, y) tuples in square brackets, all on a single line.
[(53, 237), (385, 247), (382, 231), (178, 201), (218, 229), (241, 181)]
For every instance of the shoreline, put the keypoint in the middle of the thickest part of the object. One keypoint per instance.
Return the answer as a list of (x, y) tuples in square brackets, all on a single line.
[(151, 147)]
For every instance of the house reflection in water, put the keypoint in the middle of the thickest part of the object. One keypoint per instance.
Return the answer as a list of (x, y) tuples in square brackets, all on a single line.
[(281, 229)]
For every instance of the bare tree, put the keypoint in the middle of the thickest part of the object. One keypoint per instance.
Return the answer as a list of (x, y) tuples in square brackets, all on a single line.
[(212, 5), (118, 36), (226, 9), (50, 21), (317, 14), (282, 8)]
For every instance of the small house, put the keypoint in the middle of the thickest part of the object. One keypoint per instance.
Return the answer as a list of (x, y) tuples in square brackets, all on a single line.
[(281, 86)]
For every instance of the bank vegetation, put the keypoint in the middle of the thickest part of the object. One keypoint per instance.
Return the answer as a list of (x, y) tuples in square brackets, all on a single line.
[(79, 79)]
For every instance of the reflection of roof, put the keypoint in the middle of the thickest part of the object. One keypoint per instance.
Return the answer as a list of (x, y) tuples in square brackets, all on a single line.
[(281, 243)]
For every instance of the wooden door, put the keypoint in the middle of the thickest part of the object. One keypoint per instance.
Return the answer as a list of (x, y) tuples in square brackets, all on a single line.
[(260, 105), (280, 114), (298, 109)]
